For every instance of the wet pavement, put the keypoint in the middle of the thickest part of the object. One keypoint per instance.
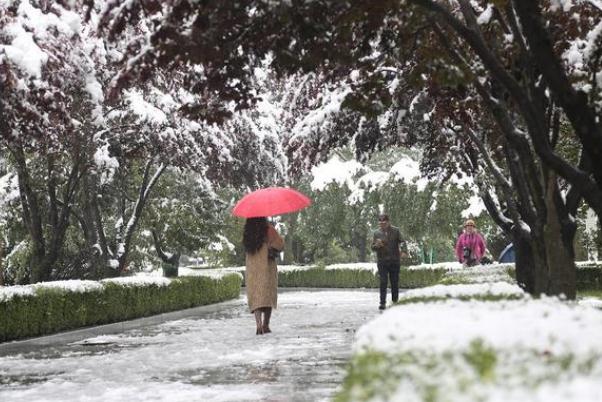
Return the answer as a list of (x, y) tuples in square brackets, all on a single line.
[(208, 354)]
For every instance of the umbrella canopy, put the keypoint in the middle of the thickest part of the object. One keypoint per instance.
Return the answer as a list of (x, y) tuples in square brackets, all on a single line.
[(270, 201)]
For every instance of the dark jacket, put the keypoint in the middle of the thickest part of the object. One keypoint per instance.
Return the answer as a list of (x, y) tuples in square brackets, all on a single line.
[(392, 240)]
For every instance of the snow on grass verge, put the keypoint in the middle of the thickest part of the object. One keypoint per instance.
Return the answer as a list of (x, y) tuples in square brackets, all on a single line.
[(480, 274), (453, 343), (481, 291)]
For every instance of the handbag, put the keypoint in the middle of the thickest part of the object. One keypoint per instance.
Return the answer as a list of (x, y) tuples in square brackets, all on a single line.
[(273, 254)]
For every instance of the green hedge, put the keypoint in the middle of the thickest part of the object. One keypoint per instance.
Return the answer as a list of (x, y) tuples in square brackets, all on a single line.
[(50, 310), (589, 278), (355, 278)]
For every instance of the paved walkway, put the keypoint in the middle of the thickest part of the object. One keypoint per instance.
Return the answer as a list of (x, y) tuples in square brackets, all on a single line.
[(205, 354)]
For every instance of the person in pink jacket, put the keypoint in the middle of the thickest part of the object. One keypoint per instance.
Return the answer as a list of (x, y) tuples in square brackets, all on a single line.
[(470, 246)]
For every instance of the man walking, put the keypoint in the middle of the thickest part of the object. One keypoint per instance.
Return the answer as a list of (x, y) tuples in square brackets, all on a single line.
[(386, 242)]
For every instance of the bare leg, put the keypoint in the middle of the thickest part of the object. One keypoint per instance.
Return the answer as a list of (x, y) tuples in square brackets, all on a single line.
[(257, 313), (267, 314)]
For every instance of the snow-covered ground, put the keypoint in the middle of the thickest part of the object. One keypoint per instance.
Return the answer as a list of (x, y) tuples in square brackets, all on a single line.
[(450, 342), (216, 357)]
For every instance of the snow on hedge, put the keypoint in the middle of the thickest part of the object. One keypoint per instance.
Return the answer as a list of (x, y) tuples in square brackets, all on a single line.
[(588, 264), (513, 350), (591, 302), (482, 274), (71, 285), (78, 286), (368, 266), (211, 273), (464, 290), (545, 325), (140, 280), (8, 292), (441, 265)]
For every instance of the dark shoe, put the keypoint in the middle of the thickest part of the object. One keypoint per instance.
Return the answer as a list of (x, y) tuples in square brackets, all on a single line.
[(266, 330), (382, 307), (259, 331)]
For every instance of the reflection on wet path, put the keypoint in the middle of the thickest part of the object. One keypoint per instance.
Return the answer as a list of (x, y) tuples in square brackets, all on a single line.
[(213, 357)]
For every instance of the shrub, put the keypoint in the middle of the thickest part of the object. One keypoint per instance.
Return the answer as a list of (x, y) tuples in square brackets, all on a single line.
[(354, 278), (53, 309), (589, 278)]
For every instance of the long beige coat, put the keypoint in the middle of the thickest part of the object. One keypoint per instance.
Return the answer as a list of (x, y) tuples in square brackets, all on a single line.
[(262, 275)]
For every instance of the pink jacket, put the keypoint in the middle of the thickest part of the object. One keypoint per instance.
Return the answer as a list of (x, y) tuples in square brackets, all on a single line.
[(476, 243)]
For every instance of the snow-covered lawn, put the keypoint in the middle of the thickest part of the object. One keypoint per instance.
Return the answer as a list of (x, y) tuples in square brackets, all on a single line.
[(489, 291), (481, 341), (480, 274)]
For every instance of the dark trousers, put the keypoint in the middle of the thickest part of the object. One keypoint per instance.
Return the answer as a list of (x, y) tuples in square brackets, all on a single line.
[(388, 270)]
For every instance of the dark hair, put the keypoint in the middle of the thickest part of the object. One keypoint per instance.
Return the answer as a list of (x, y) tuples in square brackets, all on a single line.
[(255, 234)]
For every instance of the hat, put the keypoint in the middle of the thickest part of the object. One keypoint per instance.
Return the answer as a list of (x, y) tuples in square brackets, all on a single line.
[(469, 222)]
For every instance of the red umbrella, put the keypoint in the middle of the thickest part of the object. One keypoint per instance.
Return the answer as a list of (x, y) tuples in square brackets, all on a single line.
[(270, 201)]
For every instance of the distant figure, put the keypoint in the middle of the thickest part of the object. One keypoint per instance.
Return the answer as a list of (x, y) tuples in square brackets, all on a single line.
[(261, 242), (386, 242), (470, 246)]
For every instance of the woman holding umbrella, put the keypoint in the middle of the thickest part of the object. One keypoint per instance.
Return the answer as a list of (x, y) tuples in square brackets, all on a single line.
[(259, 238)]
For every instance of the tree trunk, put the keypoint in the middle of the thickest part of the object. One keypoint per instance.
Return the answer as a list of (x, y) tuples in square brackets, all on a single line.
[(360, 236), (297, 247), (1, 263), (87, 213), (93, 229), (559, 248), (146, 187), (38, 268), (173, 259), (598, 243), (545, 262)]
